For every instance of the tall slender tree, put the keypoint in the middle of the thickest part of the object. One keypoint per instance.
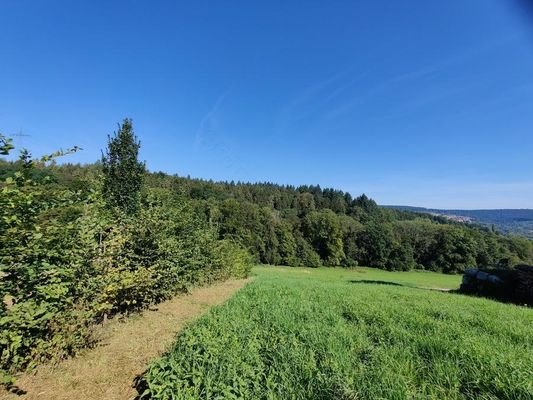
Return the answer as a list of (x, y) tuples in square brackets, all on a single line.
[(123, 172)]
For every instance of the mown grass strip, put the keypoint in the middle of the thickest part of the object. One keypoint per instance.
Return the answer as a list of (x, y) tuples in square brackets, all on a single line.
[(109, 370)]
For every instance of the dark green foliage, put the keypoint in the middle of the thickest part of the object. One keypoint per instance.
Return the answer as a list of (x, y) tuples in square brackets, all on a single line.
[(329, 227), (308, 225), (322, 229), (287, 244), (401, 257), (306, 255), (375, 242), (305, 203), (123, 172), (454, 251)]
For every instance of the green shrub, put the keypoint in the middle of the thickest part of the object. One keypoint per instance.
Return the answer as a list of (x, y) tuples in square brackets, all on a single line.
[(67, 260), (306, 255)]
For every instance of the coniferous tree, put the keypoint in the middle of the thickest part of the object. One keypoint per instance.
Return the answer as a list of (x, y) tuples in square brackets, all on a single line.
[(123, 172)]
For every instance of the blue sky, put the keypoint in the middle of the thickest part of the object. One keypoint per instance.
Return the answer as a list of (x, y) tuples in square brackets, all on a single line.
[(420, 103)]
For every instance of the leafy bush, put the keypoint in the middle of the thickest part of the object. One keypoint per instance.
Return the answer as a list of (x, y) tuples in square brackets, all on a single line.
[(306, 255), (68, 260)]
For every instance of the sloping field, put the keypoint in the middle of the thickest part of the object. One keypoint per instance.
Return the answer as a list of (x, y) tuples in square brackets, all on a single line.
[(340, 334)]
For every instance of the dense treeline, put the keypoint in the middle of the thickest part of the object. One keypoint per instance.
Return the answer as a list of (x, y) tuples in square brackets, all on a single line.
[(311, 226), (79, 245)]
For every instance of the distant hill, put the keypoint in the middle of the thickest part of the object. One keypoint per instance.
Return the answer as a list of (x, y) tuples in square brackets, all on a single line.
[(509, 221)]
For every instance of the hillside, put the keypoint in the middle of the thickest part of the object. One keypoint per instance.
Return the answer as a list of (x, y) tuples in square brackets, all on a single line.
[(508, 221), (82, 243)]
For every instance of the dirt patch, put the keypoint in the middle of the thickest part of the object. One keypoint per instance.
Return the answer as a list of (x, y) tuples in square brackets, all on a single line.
[(108, 371)]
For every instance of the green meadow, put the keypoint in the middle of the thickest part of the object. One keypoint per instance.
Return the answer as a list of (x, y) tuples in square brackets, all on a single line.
[(299, 333)]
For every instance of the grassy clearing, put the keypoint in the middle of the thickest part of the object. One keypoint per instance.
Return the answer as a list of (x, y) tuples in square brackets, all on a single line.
[(108, 371), (420, 279), (338, 334)]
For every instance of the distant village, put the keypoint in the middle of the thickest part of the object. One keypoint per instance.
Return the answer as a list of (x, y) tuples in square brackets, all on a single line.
[(452, 217)]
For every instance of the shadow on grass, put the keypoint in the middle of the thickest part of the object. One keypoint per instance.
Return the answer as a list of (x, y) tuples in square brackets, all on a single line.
[(140, 384), (374, 282), (15, 390), (410, 286), (504, 299)]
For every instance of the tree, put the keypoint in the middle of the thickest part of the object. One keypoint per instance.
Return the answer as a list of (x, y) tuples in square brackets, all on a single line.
[(455, 250), (305, 203), (287, 244), (323, 231), (401, 257), (375, 243), (123, 172), (350, 228), (367, 204)]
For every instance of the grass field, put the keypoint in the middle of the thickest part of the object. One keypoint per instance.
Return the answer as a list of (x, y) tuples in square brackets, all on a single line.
[(298, 333)]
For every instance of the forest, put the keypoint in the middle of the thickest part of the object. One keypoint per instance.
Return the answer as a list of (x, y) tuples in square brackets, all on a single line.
[(311, 226), (81, 243)]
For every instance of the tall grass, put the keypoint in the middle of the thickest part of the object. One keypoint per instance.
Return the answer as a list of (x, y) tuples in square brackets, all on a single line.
[(329, 334)]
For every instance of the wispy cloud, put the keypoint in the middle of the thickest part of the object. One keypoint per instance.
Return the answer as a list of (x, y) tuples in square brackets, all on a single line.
[(210, 137), (209, 122), (327, 98), (313, 99), (425, 71)]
